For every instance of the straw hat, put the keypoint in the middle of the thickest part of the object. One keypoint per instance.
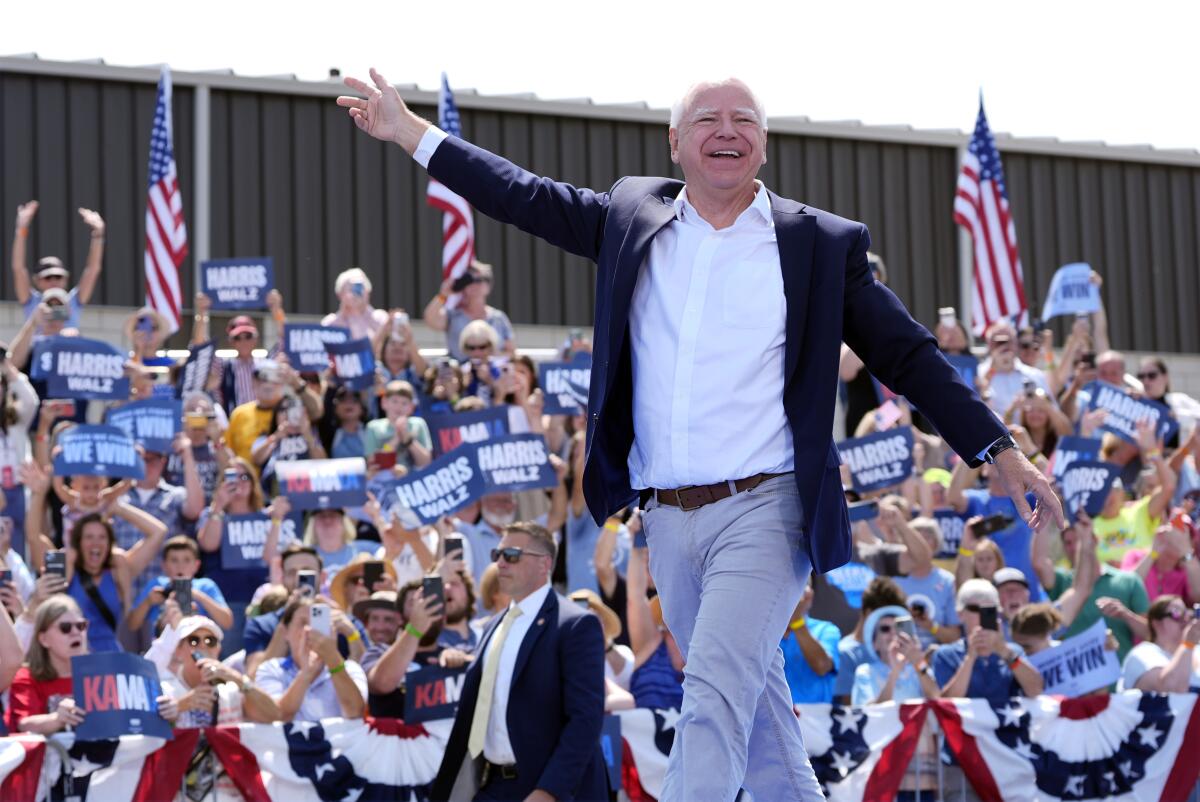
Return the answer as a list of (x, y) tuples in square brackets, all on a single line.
[(338, 589), (608, 619)]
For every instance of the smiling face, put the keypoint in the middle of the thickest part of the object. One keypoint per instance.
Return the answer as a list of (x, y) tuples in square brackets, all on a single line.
[(1013, 596), (383, 625), (720, 140), (94, 546)]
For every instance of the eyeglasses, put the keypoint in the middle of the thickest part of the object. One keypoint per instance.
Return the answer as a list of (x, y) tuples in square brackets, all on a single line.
[(1149, 375), (65, 627), (513, 554), (1176, 613), (208, 640), (477, 346), (978, 608), (1027, 344), (245, 335)]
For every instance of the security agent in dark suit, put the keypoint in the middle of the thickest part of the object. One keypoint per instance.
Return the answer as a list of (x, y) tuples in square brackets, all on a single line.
[(702, 286), (532, 706)]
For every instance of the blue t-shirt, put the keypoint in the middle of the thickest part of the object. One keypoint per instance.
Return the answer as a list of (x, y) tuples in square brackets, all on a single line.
[(851, 579), (936, 592), (990, 677), (347, 445), (73, 305), (202, 584), (582, 536), (334, 561), (851, 654), (869, 679), (806, 685), (1015, 541)]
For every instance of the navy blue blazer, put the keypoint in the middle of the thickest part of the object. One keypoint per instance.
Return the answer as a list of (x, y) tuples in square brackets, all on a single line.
[(555, 707), (831, 297)]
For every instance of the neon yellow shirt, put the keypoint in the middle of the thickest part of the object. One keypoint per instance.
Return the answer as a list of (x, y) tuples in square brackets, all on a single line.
[(1131, 528)]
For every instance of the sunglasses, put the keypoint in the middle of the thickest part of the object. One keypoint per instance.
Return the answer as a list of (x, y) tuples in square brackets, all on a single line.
[(65, 627), (513, 554), (477, 346), (978, 608), (1176, 614), (1027, 344), (245, 335), (1149, 375), (208, 640)]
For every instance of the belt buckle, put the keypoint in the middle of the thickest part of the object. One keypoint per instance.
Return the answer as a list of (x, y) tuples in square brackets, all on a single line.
[(679, 498)]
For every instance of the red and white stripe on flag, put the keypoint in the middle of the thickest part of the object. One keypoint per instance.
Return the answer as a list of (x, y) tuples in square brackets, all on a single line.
[(981, 207), (458, 231), (166, 233)]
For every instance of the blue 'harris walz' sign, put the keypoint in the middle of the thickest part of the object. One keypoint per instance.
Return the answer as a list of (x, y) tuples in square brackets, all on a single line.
[(238, 283)]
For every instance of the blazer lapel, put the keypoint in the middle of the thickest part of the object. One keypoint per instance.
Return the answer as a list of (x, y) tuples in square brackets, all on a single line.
[(652, 214), (795, 234), (549, 612)]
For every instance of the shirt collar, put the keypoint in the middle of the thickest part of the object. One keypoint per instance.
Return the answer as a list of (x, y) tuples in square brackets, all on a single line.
[(760, 206), (532, 604)]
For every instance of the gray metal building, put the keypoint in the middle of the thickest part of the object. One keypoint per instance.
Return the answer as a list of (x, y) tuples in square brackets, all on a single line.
[(270, 166)]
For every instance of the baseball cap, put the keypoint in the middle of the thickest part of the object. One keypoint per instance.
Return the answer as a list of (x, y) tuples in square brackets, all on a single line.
[(56, 294), (50, 266), (1009, 574), (240, 325), (193, 623)]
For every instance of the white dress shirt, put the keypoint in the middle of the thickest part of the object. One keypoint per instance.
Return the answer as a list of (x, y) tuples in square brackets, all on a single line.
[(707, 324), (496, 745)]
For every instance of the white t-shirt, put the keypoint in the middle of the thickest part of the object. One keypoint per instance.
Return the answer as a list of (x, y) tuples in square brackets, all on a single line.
[(626, 674), (1144, 657)]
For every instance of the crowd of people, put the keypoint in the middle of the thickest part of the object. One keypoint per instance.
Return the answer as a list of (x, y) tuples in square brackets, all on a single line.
[(948, 592)]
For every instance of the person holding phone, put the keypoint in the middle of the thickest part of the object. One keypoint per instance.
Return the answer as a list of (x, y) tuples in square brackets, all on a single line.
[(353, 290), (896, 669), (983, 665), (180, 561), (290, 439), (51, 273), (398, 441), (471, 290), (312, 681)]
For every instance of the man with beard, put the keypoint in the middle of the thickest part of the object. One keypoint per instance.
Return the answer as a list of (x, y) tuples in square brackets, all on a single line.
[(498, 511), (460, 609)]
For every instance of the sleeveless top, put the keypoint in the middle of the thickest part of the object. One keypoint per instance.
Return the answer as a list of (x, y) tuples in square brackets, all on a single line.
[(101, 637), (656, 684)]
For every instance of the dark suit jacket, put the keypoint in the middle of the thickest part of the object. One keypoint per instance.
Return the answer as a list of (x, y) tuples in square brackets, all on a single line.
[(831, 297), (555, 707)]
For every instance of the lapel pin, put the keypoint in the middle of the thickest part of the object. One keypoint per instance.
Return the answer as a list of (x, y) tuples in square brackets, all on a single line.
[(541, 621)]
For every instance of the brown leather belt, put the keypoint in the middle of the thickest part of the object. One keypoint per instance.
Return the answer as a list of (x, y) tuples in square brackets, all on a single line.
[(696, 496)]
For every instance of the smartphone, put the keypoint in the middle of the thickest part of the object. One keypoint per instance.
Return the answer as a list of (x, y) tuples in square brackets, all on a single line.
[(181, 589), (919, 609), (993, 523), (56, 563), (987, 618), (5, 577), (947, 316), (905, 624), (231, 475), (59, 312), (195, 420), (398, 324), (62, 407), (1030, 388), (372, 573), (383, 459), (887, 415), (1088, 359), (432, 587), (358, 288), (306, 582), (454, 547), (318, 619), (863, 510)]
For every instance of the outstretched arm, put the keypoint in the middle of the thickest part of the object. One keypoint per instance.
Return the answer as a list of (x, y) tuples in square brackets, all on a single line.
[(20, 270), (95, 257)]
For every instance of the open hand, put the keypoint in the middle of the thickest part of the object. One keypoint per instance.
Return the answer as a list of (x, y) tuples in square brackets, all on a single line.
[(381, 113), (1018, 476), (26, 213)]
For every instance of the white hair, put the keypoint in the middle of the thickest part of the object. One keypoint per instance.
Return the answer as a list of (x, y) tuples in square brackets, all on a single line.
[(353, 275), (977, 591), (684, 103)]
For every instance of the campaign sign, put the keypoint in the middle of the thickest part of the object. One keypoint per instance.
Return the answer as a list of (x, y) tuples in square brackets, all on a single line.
[(152, 423), (1085, 486), (1125, 411), (451, 431), (565, 384), (193, 378), (1071, 292), (98, 450), (612, 747), (353, 363), (304, 344), (966, 365), (14, 514), (244, 536), (1078, 665), (951, 524), (238, 283), (514, 463), (879, 460), (432, 693), (77, 368), (320, 484), (1070, 449), (118, 692), (441, 487)]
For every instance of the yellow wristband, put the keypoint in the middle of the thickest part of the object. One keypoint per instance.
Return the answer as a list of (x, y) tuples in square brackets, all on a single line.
[(1151, 454), (966, 552), (933, 629), (801, 624), (612, 527), (353, 636), (1154, 555)]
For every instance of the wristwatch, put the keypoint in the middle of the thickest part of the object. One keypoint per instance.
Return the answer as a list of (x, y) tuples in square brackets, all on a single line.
[(1003, 444)]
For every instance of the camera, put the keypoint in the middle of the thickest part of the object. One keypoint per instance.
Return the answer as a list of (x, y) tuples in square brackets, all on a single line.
[(463, 281)]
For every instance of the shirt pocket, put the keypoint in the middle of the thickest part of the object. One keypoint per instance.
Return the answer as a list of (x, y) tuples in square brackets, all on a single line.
[(752, 296)]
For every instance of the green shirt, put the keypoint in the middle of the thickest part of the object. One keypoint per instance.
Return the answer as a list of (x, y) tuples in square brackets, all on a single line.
[(379, 432), (1124, 586)]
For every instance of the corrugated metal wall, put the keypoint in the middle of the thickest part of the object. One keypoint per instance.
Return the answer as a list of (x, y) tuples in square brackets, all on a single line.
[(292, 178)]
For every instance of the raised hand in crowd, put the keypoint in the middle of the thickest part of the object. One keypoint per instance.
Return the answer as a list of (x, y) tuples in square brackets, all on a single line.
[(453, 658), (1090, 421)]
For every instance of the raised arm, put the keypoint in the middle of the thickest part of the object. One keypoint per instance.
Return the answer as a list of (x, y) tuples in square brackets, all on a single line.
[(20, 269), (95, 257), (200, 330), (153, 530)]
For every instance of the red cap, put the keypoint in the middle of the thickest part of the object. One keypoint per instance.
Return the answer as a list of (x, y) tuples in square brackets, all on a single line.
[(240, 325)]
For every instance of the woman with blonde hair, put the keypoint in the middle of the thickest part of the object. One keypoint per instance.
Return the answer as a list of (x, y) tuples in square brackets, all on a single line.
[(979, 557), (353, 290), (335, 537)]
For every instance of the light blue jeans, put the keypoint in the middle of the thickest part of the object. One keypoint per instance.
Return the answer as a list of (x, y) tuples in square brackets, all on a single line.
[(729, 576)]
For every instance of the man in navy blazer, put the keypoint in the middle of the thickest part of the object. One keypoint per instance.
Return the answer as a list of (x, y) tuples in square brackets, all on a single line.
[(541, 676), (720, 310)]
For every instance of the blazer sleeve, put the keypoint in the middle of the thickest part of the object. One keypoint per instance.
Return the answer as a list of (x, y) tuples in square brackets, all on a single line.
[(564, 216), (903, 355), (582, 654)]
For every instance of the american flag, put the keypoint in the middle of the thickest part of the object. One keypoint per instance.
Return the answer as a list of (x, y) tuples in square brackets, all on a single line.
[(981, 206), (166, 234), (458, 227)]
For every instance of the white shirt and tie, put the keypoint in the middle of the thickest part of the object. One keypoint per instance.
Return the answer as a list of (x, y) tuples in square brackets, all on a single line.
[(707, 327)]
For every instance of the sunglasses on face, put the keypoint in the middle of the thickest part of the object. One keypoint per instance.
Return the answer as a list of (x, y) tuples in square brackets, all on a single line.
[(1149, 375), (978, 608), (208, 640), (513, 554), (1027, 344), (237, 338), (477, 346), (1176, 613), (65, 627)]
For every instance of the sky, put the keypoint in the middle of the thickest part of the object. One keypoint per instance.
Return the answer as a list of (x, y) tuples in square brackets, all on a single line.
[(1095, 71)]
